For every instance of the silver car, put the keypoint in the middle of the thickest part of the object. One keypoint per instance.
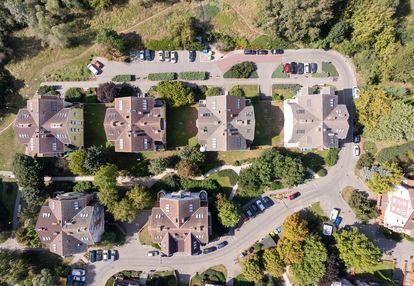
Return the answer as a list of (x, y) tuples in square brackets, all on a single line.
[(174, 57), (161, 56)]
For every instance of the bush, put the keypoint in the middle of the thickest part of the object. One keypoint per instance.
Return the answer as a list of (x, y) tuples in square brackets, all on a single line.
[(236, 91), (158, 165), (366, 160), (332, 156), (175, 93), (369, 147), (322, 173), (107, 92), (241, 70), (47, 90), (193, 75), (122, 77), (162, 76), (364, 208), (277, 97), (74, 94), (391, 153), (213, 91)]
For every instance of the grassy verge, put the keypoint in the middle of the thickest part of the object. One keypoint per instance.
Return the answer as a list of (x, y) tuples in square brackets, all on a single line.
[(10, 145), (226, 179), (144, 236), (329, 69), (382, 273), (181, 126), (269, 124), (76, 71), (216, 273), (94, 115), (347, 193), (278, 73), (251, 91)]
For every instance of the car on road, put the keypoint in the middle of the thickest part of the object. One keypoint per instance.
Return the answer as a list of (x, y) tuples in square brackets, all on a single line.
[(249, 213), (142, 55), (306, 68), (286, 68), (148, 55), (153, 253), (357, 138), (334, 214), (254, 208), (222, 244), (161, 56), (301, 68), (357, 150), (293, 67), (79, 278), (99, 255), (174, 57), (111, 255), (355, 92), (114, 254), (78, 272), (249, 52), (267, 201), (294, 196), (92, 256), (277, 51), (260, 205), (105, 255), (209, 250), (192, 56), (167, 55), (313, 67), (262, 52)]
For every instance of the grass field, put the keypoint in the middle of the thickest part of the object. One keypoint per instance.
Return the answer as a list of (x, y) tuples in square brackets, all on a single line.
[(278, 73), (10, 145), (329, 69), (286, 90), (251, 91), (94, 115), (181, 126), (269, 124), (382, 273), (144, 236), (226, 179)]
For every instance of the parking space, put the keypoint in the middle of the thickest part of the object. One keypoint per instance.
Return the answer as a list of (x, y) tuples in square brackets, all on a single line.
[(169, 57)]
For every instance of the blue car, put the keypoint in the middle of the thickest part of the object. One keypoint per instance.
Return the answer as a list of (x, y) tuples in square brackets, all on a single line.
[(338, 221)]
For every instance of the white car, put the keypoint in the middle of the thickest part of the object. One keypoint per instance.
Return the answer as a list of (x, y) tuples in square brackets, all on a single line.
[(260, 205), (174, 57), (334, 214), (78, 272), (105, 255), (307, 68), (357, 150), (355, 92), (161, 56), (79, 278), (153, 253), (93, 69)]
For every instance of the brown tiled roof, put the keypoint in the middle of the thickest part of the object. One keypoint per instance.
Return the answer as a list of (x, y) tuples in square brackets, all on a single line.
[(69, 223), (136, 124), (181, 222), (43, 126), (315, 120), (225, 123)]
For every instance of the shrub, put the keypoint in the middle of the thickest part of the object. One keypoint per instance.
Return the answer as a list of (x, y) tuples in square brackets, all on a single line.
[(162, 76), (176, 93), (122, 77), (193, 75), (74, 94), (369, 147), (236, 91), (332, 156), (241, 70), (47, 90), (158, 165), (213, 91), (89, 98), (107, 92), (391, 153), (364, 208), (277, 97), (366, 160), (322, 173)]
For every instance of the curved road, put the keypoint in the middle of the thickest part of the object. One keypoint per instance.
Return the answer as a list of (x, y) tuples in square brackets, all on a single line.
[(325, 190)]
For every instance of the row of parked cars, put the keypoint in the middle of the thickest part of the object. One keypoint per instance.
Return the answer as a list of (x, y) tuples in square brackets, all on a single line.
[(300, 68), (103, 255), (263, 52), (163, 56), (214, 248), (256, 207)]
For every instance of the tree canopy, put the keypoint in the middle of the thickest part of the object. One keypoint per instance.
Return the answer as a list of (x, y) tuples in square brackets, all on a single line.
[(229, 213), (175, 93), (295, 228), (252, 268), (387, 180), (273, 263)]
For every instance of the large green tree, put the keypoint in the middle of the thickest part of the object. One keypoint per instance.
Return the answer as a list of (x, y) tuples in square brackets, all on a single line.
[(402, 64), (45, 278), (229, 213), (27, 171), (383, 183), (76, 160), (105, 177), (176, 93), (273, 263), (357, 250), (252, 268), (290, 250)]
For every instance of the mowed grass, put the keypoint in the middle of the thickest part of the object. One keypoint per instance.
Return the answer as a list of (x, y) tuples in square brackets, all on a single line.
[(382, 273), (251, 91), (10, 145), (269, 123), (216, 273), (94, 132), (181, 127)]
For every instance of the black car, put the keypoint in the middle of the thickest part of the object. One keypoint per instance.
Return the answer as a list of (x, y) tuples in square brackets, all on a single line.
[(267, 201), (357, 139), (293, 67), (78, 283), (209, 250), (92, 256), (166, 255), (301, 68), (262, 52), (192, 56), (249, 213), (99, 255), (277, 51), (249, 52), (148, 55), (313, 67), (222, 244), (254, 208)]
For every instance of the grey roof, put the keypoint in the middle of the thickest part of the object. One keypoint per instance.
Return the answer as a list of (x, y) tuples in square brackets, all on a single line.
[(315, 120), (225, 123)]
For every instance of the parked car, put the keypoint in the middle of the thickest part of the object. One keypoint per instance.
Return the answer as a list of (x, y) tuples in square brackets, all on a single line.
[(174, 57), (254, 208), (293, 67), (338, 221), (222, 244), (278, 230), (111, 255), (105, 255), (294, 196), (167, 56), (357, 139), (262, 52), (78, 283), (277, 51), (161, 56), (286, 68), (267, 201), (93, 69), (357, 151), (114, 254), (243, 254), (249, 213), (148, 55), (355, 92), (301, 68), (192, 56), (166, 255), (153, 253), (334, 214), (209, 250), (92, 256), (98, 64), (260, 205), (249, 52), (78, 272), (79, 278), (99, 255), (142, 55), (306, 68), (313, 67)]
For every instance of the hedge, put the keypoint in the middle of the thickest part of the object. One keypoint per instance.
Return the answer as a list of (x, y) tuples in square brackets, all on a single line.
[(193, 75), (122, 77), (390, 153), (74, 94), (162, 76)]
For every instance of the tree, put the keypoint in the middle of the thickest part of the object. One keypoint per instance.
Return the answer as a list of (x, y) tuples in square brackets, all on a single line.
[(76, 162), (385, 183), (106, 92), (192, 154), (213, 91), (181, 31), (139, 198), (105, 177), (73, 94), (236, 91), (332, 271), (27, 171), (252, 268), (229, 213), (357, 250), (332, 156), (95, 157), (366, 160), (289, 250), (33, 196), (110, 39), (295, 228), (186, 169), (273, 263), (176, 93), (83, 186), (14, 269), (241, 70), (6, 86), (364, 208), (28, 236), (123, 211), (292, 171), (100, 4), (158, 165), (45, 278), (108, 197), (311, 268), (401, 64), (248, 180), (339, 32)]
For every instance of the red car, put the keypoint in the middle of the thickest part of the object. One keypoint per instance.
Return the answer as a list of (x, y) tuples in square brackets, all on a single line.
[(294, 196), (286, 68), (98, 64)]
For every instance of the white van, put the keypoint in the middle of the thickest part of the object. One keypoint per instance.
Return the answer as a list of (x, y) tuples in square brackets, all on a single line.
[(93, 69), (334, 214)]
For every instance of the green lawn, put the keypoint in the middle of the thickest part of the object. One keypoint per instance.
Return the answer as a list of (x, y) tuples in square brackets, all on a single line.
[(278, 73), (329, 69), (241, 281), (382, 274), (286, 91), (144, 236), (181, 126), (94, 115), (162, 278), (10, 145), (269, 123), (216, 273), (226, 179), (251, 91)]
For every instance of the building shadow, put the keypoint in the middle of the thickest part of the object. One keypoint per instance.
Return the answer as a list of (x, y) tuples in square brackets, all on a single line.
[(140, 220)]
